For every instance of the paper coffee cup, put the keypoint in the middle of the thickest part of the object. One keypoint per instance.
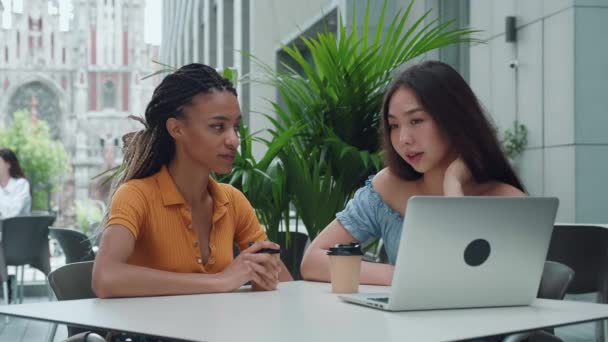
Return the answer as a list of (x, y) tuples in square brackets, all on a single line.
[(345, 268)]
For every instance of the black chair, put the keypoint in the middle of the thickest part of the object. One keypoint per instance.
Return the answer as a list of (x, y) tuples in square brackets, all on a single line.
[(24, 240), (76, 245), (69, 282), (553, 285), (293, 252), (555, 281), (584, 248), (73, 281)]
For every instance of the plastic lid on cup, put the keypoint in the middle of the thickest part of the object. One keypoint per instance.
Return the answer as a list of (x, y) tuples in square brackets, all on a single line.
[(345, 249)]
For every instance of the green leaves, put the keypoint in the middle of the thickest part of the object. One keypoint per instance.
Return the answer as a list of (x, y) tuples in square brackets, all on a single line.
[(88, 213), (43, 160), (316, 193), (163, 69), (341, 89), (514, 141)]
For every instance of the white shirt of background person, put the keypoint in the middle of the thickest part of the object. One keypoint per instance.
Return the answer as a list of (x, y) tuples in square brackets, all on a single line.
[(15, 198)]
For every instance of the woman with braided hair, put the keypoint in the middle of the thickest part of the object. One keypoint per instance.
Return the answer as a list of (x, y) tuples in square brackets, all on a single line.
[(170, 228)]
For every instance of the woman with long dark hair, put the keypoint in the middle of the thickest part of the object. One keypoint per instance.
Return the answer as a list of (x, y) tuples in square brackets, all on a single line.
[(437, 141), (170, 228), (15, 196)]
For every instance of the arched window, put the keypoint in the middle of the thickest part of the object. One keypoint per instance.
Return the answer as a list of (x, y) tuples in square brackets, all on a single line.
[(109, 95), (48, 104)]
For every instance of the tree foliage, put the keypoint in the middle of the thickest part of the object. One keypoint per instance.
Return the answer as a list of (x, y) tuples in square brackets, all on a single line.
[(43, 160)]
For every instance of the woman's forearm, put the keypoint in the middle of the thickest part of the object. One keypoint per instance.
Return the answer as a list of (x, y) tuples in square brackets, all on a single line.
[(124, 280), (376, 274)]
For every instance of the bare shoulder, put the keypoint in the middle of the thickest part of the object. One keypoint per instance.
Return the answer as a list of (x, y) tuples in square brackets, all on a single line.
[(386, 182), (502, 189), (393, 190)]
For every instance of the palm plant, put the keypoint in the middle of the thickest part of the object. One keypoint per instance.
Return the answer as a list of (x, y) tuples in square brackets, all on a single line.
[(338, 98)]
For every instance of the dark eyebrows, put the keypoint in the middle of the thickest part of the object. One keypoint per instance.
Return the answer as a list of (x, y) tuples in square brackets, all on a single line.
[(221, 117), (407, 112), (414, 110)]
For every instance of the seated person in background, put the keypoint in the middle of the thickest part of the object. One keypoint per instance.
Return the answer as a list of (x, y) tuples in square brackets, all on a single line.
[(437, 142), (170, 228), (15, 196)]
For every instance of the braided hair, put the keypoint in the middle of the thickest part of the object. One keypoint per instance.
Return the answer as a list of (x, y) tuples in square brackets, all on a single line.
[(147, 150)]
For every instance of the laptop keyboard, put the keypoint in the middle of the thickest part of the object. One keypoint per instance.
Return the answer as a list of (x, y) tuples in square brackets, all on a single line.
[(381, 299)]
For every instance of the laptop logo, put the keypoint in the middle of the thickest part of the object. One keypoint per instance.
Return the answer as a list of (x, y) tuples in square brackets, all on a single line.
[(477, 252)]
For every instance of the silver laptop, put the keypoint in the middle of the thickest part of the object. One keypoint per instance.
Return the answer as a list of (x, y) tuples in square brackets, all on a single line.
[(464, 252)]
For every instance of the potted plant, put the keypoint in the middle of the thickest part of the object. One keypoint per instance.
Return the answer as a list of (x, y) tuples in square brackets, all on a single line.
[(514, 141)]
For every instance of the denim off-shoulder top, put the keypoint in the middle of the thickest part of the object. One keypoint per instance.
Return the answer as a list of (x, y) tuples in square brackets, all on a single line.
[(367, 217)]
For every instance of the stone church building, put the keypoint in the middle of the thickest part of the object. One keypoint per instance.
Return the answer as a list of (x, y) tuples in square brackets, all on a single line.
[(83, 79)]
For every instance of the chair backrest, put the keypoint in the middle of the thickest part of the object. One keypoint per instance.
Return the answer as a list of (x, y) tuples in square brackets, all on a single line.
[(75, 245), (24, 240), (293, 254), (555, 280), (584, 248), (73, 281)]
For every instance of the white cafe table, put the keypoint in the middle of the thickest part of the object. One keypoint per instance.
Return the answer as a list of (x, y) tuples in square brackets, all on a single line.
[(299, 311)]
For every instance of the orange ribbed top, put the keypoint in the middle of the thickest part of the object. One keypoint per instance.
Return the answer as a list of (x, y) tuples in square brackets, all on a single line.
[(157, 215)]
